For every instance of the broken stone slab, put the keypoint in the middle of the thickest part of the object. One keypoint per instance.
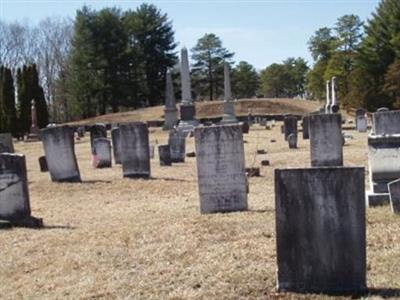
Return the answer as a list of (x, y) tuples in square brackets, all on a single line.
[(6, 143), (221, 168), (59, 147), (135, 154), (321, 230)]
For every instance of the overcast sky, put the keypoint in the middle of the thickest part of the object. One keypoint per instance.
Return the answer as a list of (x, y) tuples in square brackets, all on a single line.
[(260, 32)]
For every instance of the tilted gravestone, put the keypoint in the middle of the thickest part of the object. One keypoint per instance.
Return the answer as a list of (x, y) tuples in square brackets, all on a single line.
[(165, 155), (59, 148), (135, 154), (306, 125), (326, 140), (394, 191), (321, 230), (290, 125), (102, 153), (177, 144), (6, 143), (97, 131), (221, 168), (14, 194), (116, 144)]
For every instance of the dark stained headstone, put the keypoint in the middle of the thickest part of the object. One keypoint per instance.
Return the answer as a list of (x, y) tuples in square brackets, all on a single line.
[(165, 155), (221, 168), (59, 148), (6, 143), (102, 153), (326, 140), (177, 144), (290, 125), (43, 164), (135, 154), (306, 125), (116, 144), (321, 230)]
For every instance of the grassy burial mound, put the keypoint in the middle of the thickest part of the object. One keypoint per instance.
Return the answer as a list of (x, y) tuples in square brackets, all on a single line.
[(212, 109), (115, 238)]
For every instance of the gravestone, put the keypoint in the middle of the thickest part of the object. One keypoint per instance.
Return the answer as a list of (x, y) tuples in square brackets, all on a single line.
[(177, 144), (81, 131), (326, 140), (43, 164), (221, 168), (14, 193), (101, 153), (321, 230), (6, 143), (245, 127), (386, 122), (292, 141), (394, 191), (361, 120), (290, 125), (59, 148), (97, 131), (306, 127), (116, 145), (135, 156), (165, 155)]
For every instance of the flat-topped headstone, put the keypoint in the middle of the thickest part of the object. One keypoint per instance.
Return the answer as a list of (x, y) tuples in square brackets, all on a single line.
[(97, 131), (177, 144), (221, 168), (6, 143), (165, 155), (135, 154), (101, 153), (386, 122), (362, 123), (290, 126), (394, 191), (116, 144), (43, 164), (59, 148), (306, 127), (321, 230), (326, 140)]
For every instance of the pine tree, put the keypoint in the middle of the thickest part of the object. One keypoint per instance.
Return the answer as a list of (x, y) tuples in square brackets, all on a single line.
[(245, 80), (38, 95), (8, 102), (24, 100)]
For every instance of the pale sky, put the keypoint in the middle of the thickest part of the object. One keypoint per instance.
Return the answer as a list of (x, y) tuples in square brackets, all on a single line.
[(260, 32)]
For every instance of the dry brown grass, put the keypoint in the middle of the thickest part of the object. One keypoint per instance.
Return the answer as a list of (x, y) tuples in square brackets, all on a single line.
[(212, 109), (115, 238)]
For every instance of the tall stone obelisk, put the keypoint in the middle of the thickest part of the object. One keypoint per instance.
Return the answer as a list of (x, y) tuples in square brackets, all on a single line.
[(229, 108), (334, 101), (328, 101), (187, 108), (34, 130), (170, 111)]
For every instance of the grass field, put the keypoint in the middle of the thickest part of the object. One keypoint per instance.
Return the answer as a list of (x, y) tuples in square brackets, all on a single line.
[(115, 238)]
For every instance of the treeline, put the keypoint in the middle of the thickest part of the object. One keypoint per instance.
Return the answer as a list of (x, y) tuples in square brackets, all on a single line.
[(365, 58), (17, 119)]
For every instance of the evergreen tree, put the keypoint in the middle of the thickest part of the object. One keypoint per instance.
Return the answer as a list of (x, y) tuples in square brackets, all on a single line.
[(245, 80), (24, 100), (209, 57), (7, 99), (36, 92)]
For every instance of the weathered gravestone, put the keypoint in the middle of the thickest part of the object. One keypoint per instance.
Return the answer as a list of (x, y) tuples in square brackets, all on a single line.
[(361, 120), (321, 230), (43, 164), (6, 143), (165, 155), (116, 144), (14, 194), (81, 131), (97, 131), (326, 141), (290, 126), (386, 122), (394, 191), (58, 144), (177, 144), (306, 127), (135, 154), (101, 153), (221, 168), (292, 141)]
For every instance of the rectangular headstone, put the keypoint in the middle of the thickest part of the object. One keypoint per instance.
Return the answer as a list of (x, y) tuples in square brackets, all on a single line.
[(306, 127), (362, 123), (221, 168), (6, 143), (386, 122), (14, 195), (43, 164), (102, 153), (177, 144), (165, 155), (394, 190), (59, 148), (116, 144), (135, 154), (326, 140), (290, 125), (97, 131), (321, 230)]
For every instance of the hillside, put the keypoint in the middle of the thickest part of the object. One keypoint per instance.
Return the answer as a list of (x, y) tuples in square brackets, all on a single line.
[(212, 109)]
